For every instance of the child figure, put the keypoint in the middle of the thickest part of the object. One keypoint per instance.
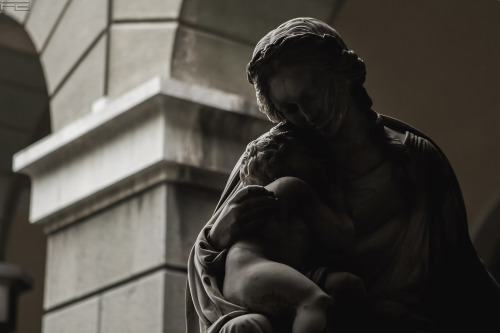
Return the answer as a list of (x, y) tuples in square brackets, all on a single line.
[(265, 269)]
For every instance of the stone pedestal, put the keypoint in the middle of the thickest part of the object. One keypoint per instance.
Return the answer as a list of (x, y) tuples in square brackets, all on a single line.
[(123, 192)]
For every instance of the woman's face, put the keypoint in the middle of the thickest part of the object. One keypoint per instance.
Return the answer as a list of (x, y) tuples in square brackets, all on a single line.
[(306, 97)]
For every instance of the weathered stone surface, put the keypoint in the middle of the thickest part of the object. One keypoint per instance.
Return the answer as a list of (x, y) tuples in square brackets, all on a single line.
[(212, 61), (81, 24), (153, 304), (250, 20), (78, 318), (174, 314), (150, 9), (102, 160), (188, 209), (83, 87), (206, 137), (209, 51), (159, 132), (139, 52), (42, 19), (107, 247)]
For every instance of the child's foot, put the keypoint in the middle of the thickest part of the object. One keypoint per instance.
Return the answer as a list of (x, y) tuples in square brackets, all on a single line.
[(349, 300), (311, 316)]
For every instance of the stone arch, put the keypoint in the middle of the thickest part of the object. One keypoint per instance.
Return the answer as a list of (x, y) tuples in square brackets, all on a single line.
[(24, 119)]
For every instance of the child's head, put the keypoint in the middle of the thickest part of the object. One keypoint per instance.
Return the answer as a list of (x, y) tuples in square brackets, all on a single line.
[(283, 152)]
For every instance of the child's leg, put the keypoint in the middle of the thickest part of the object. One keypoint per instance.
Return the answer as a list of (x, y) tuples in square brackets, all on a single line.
[(268, 287), (349, 301), (311, 314), (348, 290)]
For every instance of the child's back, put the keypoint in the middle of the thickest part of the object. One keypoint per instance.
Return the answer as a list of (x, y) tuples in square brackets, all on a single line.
[(286, 236)]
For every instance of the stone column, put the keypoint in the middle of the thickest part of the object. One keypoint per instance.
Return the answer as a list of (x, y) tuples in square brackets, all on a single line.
[(150, 110), (123, 193)]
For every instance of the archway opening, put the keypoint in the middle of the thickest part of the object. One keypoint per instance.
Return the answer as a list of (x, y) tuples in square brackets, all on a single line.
[(24, 119)]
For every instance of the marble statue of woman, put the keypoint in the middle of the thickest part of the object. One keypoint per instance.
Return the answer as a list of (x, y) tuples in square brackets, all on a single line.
[(411, 246)]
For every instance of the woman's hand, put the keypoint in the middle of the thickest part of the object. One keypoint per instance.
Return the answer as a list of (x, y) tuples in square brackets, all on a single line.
[(241, 214)]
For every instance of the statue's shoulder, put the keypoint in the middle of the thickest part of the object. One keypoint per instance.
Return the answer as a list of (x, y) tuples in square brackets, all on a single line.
[(427, 158), (413, 139)]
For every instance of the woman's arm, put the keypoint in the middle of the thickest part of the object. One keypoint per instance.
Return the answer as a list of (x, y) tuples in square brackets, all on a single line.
[(242, 213)]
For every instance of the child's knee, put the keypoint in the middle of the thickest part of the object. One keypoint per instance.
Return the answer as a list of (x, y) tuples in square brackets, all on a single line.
[(318, 299), (345, 285)]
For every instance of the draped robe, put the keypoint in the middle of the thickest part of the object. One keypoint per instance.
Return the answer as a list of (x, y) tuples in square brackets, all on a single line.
[(458, 292)]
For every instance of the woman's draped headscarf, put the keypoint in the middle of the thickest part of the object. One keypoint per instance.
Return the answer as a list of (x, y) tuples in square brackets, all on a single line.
[(317, 35)]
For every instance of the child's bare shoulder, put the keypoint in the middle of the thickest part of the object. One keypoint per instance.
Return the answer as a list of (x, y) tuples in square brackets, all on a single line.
[(291, 187)]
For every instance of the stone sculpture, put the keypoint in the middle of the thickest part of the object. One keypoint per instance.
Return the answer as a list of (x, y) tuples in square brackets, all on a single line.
[(410, 250), (266, 267)]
